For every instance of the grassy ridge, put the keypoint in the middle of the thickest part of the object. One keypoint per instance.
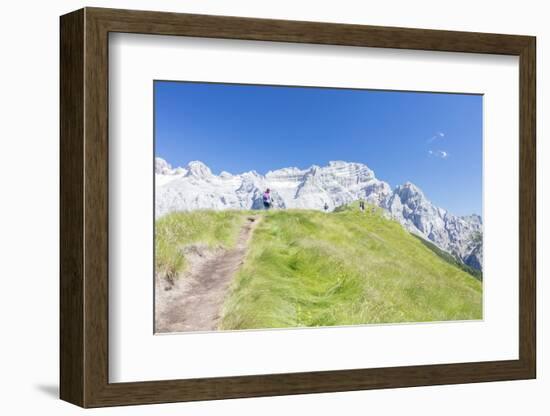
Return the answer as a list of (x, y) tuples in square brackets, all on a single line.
[(308, 268), (175, 231)]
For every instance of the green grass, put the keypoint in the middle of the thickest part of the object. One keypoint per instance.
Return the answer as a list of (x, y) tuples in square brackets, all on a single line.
[(175, 231), (309, 268)]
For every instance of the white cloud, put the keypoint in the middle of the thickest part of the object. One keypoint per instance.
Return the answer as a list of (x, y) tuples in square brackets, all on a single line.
[(441, 154), (436, 136)]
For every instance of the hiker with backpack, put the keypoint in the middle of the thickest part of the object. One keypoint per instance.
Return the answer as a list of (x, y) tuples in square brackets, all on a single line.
[(268, 201), (326, 207)]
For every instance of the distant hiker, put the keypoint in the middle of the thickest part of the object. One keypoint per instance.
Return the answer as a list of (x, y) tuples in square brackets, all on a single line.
[(326, 207), (362, 206), (267, 199)]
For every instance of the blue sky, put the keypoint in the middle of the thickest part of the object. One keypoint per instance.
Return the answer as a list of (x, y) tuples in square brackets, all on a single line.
[(432, 140)]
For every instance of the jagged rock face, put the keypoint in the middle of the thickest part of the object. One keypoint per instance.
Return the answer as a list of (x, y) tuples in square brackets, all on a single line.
[(162, 167), (460, 236), (339, 183), (475, 258)]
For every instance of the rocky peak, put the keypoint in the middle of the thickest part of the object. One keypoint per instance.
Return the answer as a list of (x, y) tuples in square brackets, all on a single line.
[(198, 170), (409, 191), (291, 173), (472, 218), (225, 175), (162, 167)]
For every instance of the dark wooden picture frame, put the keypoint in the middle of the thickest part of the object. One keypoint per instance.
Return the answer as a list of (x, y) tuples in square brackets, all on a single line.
[(84, 207)]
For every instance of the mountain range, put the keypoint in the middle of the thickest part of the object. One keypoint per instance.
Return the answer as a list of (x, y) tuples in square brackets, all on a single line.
[(339, 183)]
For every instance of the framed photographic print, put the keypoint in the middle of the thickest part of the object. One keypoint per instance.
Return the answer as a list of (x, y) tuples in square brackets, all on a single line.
[(255, 207)]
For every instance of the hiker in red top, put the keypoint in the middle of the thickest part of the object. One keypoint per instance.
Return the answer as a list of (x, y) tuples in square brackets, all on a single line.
[(268, 201)]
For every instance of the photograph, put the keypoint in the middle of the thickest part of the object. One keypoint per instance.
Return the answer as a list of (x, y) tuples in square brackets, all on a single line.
[(279, 207)]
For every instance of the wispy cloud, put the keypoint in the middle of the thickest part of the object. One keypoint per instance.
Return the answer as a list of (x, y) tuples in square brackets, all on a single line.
[(441, 154), (436, 136)]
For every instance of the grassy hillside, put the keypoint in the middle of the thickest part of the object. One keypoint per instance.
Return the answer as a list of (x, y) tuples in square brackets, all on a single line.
[(309, 268), (175, 231)]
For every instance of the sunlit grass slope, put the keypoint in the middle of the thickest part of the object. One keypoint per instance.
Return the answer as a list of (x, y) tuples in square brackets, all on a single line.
[(175, 231), (309, 268)]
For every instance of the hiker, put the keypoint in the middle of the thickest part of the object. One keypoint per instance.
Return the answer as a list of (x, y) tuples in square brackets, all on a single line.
[(326, 207), (362, 206), (267, 199)]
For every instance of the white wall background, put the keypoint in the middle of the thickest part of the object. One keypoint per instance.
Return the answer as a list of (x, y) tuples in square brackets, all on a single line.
[(29, 158)]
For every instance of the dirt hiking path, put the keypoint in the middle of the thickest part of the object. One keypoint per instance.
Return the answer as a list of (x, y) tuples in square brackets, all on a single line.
[(195, 300)]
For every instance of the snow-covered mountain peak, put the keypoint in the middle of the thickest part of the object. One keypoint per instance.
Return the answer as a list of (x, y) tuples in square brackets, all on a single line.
[(409, 189), (359, 171), (225, 175), (343, 164), (292, 171), (162, 167), (251, 174), (198, 170), (411, 195), (313, 170), (472, 218)]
